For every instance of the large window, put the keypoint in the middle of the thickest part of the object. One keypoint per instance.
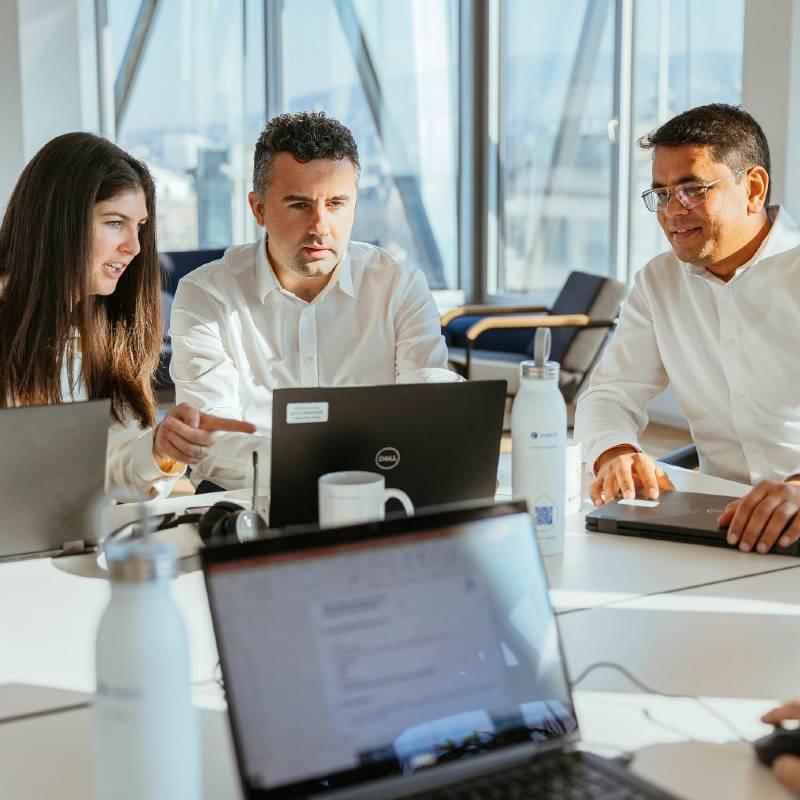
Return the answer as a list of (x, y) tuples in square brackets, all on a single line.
[(556, 102), (566, 88), (189, 100), (687, 53), (389, 71)]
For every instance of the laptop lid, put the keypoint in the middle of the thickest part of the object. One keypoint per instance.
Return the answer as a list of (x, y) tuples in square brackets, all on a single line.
[(395, 652), (689, 517), (52, 468), (414, 434)]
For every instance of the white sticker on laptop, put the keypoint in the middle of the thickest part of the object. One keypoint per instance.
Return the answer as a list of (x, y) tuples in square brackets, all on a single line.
[(639, 503), (302, 413)]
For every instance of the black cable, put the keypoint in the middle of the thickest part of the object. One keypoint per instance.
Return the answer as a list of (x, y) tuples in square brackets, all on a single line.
[(649, 690)]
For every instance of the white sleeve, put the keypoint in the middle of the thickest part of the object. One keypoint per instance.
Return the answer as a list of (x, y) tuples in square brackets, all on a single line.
[(420, 350), (206, 377), (130, 465), (613, 410)]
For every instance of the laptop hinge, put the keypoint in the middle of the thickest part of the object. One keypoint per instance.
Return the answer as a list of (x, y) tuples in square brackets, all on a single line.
[(73, 547), (605, 525)]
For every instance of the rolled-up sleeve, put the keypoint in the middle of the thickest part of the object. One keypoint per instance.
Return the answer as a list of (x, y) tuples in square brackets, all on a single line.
[(130, 465), (613, 410)]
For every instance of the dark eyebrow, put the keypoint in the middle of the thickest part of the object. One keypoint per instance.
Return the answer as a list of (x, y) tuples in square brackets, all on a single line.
[(118, 214), (294, 198), (684, 179)]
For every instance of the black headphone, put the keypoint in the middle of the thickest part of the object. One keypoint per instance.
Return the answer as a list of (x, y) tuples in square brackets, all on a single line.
[(228, 522), (222, 523)]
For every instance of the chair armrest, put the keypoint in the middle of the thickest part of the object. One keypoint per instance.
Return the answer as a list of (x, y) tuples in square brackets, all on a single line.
[(486, 310), (685, 457), (548, 321)]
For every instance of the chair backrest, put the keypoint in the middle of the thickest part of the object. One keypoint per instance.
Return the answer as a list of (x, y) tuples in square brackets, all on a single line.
[(178, 263), (586, 344), (577, 295)]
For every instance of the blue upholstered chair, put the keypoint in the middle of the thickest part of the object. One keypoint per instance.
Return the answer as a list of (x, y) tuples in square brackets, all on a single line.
[(173, 267), (489, 342)]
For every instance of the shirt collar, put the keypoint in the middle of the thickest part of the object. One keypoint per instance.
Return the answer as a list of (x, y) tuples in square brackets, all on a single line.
[(266, 280)]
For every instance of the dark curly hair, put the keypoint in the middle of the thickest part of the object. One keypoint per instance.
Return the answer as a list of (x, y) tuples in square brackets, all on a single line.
[(306, 135), (734, 137)]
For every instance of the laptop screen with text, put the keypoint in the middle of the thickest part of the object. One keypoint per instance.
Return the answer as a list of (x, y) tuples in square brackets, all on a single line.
[(390, 654)]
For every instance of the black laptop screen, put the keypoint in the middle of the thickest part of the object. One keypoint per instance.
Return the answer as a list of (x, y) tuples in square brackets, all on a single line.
[(388, 655)]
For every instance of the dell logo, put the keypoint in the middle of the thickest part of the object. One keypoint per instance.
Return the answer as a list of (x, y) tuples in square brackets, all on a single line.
[(387, 458)]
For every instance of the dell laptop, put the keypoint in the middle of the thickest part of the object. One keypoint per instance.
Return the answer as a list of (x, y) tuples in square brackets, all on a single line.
[(52, 470), (412, 657), (686, 517), (438, 442)]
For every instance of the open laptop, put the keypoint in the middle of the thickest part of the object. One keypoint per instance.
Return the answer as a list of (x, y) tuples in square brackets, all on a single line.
[(438, 442), (686, 517), (413, 657), (52, 470)]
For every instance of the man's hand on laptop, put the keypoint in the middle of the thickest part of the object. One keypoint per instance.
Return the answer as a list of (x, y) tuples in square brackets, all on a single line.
[(185, 434), (767, 514), (623, 472)]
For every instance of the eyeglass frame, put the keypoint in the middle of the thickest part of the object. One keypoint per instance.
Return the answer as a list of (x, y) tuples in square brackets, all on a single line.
[(671, 191)]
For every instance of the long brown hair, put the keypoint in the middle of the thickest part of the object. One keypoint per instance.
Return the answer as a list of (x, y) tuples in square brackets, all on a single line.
[(45, 252)]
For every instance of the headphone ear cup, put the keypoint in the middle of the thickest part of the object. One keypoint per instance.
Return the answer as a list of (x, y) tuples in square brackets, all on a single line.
[(218, 521)]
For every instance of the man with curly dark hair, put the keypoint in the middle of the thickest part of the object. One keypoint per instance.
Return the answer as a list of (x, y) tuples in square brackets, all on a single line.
[(304, 306), (714, 317)]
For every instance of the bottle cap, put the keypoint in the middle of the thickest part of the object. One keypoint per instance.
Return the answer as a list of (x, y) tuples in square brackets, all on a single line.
[(140, 561), (540, 368)]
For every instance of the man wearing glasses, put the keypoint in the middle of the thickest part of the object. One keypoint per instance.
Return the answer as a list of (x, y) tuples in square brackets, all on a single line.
[(718, 318)]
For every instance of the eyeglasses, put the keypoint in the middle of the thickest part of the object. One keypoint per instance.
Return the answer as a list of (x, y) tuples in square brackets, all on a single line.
[(689, 195)]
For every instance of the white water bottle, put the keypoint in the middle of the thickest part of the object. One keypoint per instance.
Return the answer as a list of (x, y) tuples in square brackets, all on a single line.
[(538, 433), (147, 742)]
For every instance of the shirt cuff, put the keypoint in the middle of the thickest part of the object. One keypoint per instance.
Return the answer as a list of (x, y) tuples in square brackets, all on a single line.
[(145, 464), (604, 444)]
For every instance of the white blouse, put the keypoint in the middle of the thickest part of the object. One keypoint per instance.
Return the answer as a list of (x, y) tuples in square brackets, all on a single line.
[(129, 455)]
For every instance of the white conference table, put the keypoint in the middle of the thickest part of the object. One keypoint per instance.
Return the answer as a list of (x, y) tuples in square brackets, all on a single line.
[(631, 601)]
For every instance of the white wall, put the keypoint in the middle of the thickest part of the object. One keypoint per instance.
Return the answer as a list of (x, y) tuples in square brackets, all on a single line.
[(771, 89), (12, 154), (48, 78)]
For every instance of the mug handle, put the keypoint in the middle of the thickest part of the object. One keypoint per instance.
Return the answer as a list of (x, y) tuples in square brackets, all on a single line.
[(400, 495)]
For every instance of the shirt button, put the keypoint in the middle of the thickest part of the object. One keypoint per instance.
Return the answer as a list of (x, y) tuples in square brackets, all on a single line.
[(730, 342), (738, 396), (309, 359)]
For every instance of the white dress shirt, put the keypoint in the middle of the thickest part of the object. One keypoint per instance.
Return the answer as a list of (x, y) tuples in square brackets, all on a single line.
[(130, 465), (237, 335), (730, 351)]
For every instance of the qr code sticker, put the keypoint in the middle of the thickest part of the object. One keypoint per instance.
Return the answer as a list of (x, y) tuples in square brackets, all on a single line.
[(543, 515)]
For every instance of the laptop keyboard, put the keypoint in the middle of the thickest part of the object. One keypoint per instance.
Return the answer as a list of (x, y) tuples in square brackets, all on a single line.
[(566, 776)]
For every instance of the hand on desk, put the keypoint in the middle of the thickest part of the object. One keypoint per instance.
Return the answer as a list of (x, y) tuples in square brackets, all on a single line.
[(185, 434), (786, 768), (622, 471), (756, 520)]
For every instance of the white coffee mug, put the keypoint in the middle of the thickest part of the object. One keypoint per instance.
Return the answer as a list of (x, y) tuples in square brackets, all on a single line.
[(347, 498), (572, 478)]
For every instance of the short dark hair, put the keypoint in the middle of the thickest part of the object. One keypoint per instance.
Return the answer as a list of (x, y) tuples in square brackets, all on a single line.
[(306, 135), (734, 137)]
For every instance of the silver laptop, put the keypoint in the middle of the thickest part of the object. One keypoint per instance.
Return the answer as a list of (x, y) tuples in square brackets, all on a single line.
[(408, 658), (52, 469)]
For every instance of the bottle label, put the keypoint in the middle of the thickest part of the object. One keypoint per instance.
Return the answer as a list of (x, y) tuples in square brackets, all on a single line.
[(545, 515)]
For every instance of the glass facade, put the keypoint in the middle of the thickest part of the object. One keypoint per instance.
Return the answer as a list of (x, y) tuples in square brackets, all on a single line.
[(211, 72)]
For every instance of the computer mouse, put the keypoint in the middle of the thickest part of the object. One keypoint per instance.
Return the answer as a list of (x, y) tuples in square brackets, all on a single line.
[(780, 742)]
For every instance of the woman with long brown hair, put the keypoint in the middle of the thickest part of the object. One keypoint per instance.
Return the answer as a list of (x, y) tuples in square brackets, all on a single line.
[(80, 306)]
